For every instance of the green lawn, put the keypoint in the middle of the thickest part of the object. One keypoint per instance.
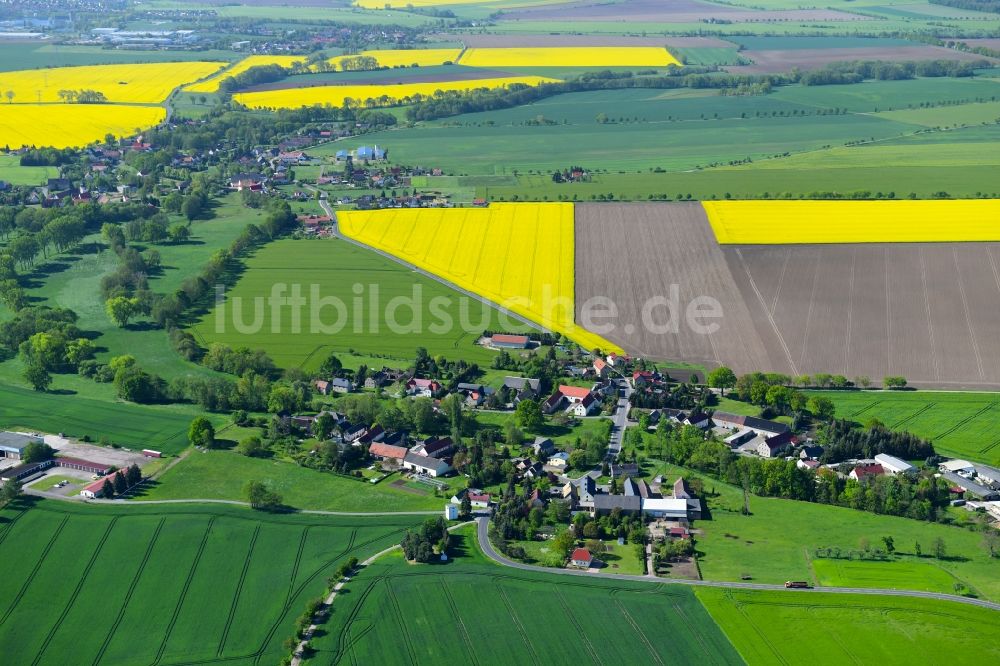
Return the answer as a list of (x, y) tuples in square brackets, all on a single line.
[(778, 541), (795, 628), (374, 323), (957, 423), (394, 612), (222, 475), (907, 574), (170, 585), (163, 428), (13, 173)]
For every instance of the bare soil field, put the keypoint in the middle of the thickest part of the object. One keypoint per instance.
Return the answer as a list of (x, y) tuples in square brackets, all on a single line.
[(929, 312), (676, 11), (774, 61), (632, 253), (987, 42), (516, 40), (406, 75)]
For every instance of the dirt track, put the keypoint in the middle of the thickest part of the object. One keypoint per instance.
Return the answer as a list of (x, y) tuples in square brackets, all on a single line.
[(929, 312)]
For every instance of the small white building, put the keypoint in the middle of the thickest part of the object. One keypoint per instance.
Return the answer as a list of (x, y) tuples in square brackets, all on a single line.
[(451, 512), (963, 467), (668, 507), (893, 465)]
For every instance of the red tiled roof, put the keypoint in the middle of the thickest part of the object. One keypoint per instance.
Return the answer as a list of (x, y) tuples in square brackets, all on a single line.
[(387, 451), (868, 470), (574, 391), (581, 555), (510, 339)]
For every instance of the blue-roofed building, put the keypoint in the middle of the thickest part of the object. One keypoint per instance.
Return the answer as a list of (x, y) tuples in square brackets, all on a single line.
[(370, 153), (342, 155)]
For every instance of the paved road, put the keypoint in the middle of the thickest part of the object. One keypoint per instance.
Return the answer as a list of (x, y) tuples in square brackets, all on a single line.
[(620, 420), (484, 543), (325, 205)]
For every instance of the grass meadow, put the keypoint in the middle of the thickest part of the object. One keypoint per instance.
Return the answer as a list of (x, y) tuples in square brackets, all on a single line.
[(394, 613), (906, 575), (957, 423), (13, 173), (777, 542), (166, 585), (222, 475), (336, 267), (791, 628)]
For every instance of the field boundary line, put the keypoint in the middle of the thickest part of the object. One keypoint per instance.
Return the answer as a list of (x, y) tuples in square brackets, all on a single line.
[(34, 572), (638, 631), (11, 524), (239, 591), (68, 606), (461, 623), (579, 628), (929, 405), (516, 620), (968, 315), (130, 592), (407, 641), (770, 317), (184, 591)]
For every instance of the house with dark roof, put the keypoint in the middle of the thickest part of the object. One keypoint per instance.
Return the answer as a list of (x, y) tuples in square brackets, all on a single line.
[(774, 446), (627, 504), (741, 422), (434, 447), (521, 383), (681, 490), (554, 403), (543, 446), (425, 465)]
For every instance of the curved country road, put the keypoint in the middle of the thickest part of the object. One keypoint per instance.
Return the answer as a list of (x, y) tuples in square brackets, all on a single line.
[(484, 543)]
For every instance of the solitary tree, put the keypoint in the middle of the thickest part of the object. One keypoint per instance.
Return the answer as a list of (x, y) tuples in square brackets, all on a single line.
[(38, 377), (201, 433), (722, 378), (528, 415), (121, 309)]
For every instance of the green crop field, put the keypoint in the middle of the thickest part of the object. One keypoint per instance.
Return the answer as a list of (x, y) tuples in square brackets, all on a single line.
[(16, 55), (335, 269), (222, 475), (976, 113), (958, 424), (166, 585), (394, 614), (792, 628), (778, 541), (162, 428), (903, 575)]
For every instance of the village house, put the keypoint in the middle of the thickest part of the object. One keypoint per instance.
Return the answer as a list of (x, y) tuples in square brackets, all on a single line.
[(558, 462), (587, 406), (543, 446), (553, 403), (424, 388), (387, 453), (581, 558), (601, 368), (433, 467), (866, 472), (772, 447), (434, 447), (477, 498)]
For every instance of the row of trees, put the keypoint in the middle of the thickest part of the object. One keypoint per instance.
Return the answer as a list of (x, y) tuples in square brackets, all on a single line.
[(121, 482)]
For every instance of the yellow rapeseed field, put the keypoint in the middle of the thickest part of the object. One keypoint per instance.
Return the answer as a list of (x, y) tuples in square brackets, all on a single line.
[(147, 83), (904, 221), (517, 255), (405, 57), (212, 85), (293, 98), (569, 56), (67, 125)]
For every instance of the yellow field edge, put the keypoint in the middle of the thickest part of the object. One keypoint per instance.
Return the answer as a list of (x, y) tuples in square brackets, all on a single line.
[(519, 256), (761, 222)]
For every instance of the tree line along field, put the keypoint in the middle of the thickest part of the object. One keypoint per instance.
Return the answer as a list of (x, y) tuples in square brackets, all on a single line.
[(790, 628), (394, 613), (959, 424), (335, 266), (166, 585)]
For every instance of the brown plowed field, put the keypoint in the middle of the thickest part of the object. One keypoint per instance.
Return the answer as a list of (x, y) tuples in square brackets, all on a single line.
[(929, 312), (774, 61), (675, 11)]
